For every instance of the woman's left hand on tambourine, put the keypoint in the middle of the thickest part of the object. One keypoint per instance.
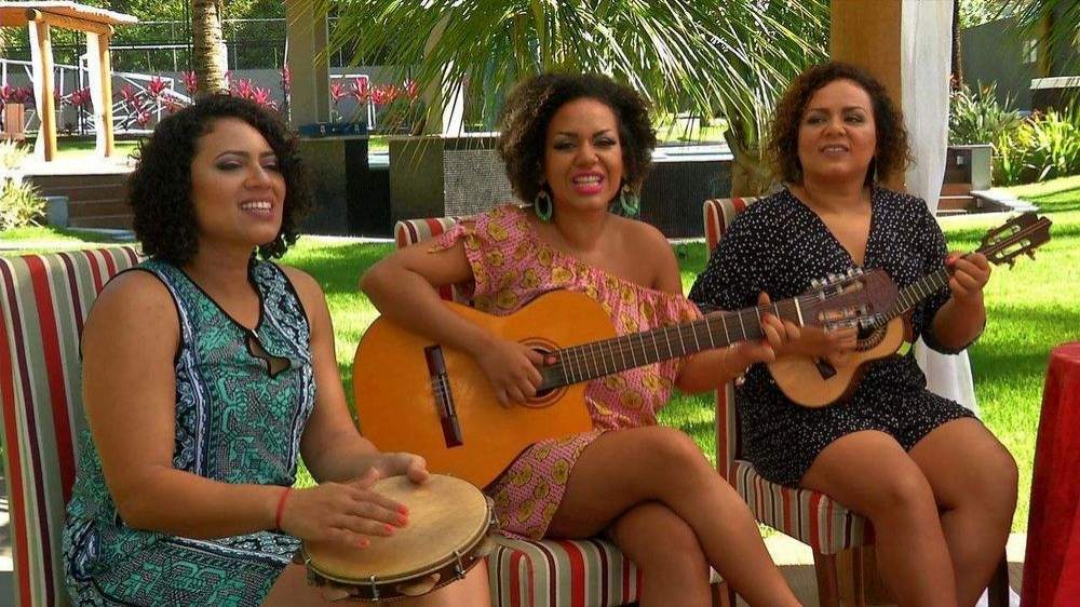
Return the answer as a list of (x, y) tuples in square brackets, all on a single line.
[(970, 273)]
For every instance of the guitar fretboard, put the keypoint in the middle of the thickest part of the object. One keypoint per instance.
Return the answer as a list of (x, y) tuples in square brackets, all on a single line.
[(598, 359), (928, 285)]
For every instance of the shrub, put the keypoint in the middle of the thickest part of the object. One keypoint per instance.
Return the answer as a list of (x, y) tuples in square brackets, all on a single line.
[(11, 156), (20, 205), (977, 117), (1044, 146)]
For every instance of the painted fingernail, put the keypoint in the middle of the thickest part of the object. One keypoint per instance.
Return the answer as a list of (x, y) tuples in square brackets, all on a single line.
[(363, 543), (403, 520), (403, 510), (389, 528)]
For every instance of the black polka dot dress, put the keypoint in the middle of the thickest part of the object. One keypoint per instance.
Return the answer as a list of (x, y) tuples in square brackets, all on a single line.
[(779, 245)]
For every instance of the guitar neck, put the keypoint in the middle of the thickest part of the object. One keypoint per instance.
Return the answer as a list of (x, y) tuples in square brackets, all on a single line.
[(917, 291), (601, 358), (929, 284)]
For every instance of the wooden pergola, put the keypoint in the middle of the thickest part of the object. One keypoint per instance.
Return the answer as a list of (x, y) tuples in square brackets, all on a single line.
[(97, 24)]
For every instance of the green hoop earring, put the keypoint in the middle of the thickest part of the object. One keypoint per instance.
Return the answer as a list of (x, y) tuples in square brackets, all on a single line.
[(628, 201), (543, 206)]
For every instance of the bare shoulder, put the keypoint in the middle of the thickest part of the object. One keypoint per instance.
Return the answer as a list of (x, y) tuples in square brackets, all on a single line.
[(307, 288), (643, 240), (133, 303), (649, 248)]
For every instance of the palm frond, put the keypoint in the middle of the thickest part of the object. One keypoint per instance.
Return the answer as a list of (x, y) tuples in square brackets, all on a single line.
[(703, 56)]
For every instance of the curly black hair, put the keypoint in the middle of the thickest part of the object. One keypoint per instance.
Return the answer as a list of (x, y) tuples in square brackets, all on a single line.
[(159, 190), (533, 103), (892, 153)]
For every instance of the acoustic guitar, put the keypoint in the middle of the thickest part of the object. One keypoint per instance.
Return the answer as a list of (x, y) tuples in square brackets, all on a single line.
[(816, 383), (415, 395)]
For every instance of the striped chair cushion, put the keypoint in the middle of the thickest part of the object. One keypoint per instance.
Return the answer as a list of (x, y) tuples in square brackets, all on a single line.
[(411, 231), (43, 303), (525, 573), (808, 516)]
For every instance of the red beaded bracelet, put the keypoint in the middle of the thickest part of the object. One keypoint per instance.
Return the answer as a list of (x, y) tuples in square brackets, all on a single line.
[(281, 507)]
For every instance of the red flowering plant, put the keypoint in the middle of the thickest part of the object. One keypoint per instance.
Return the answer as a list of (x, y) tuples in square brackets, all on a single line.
[(191, 83), (246, 89), (396, 105)]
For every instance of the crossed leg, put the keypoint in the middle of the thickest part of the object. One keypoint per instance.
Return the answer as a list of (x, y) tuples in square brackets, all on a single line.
[(633, 478)]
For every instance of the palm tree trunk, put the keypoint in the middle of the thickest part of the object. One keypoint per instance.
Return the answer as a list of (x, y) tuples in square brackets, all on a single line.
[(209, 50), (750, 176), (957, 80)]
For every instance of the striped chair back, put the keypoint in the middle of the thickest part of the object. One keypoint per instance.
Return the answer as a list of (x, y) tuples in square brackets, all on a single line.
[(718, 214), (411, 231), (809, 516), (44, 300), (547, 573)]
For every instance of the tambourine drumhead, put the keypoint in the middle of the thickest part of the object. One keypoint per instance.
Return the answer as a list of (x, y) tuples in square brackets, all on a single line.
[(446, 514)]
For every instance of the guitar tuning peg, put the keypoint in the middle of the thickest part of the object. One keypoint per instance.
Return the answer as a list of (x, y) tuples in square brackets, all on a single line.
[(815, 283), (1031, 253)]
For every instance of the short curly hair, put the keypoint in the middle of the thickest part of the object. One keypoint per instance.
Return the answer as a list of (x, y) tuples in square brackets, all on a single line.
[(159, 190), (533, 103), (892, 153)]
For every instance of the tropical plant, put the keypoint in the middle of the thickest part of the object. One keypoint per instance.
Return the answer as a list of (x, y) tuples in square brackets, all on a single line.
[(708, 57), (21, 205), (977, 116), (1043, 147), (11, 156)]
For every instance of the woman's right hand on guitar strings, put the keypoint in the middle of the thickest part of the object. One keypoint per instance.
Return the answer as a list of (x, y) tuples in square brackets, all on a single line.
[(511, 367)]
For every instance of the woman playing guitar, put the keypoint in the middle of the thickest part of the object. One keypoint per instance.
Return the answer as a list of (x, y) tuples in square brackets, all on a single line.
[(939, 488), (579, 147)]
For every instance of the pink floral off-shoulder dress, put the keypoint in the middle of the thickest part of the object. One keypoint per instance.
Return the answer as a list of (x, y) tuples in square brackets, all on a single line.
[(512, 266)]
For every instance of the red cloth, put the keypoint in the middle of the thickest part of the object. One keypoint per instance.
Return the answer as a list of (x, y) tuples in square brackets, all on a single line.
[(1052, 562)]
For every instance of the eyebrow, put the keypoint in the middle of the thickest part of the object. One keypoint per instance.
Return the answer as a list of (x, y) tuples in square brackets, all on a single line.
[(845, 109), (571, 134), (244, 154)]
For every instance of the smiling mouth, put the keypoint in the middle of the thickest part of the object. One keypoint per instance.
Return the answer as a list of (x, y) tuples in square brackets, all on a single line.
[(257, 206)]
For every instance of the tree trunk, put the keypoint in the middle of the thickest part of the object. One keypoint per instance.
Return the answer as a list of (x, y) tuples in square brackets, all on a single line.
[(749, 175), (209, 49), (957, 80)]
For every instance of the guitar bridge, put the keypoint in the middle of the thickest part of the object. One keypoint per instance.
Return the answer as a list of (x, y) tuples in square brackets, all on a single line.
[(444, 397), (825, 368)]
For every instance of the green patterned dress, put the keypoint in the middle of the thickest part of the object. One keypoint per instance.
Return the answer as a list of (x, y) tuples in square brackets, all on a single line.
[(242, 400)]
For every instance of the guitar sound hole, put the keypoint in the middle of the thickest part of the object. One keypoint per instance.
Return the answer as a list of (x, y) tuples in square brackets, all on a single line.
[(549, 366)]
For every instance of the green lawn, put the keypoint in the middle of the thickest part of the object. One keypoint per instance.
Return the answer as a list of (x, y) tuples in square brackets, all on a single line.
[(74, 148), (1031, 308)]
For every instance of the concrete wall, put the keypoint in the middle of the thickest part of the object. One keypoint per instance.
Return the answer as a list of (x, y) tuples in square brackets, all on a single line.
[(994, 52)]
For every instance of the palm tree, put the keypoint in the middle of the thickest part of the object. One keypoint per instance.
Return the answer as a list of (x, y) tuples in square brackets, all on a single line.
[(208, 52), (708, 57)]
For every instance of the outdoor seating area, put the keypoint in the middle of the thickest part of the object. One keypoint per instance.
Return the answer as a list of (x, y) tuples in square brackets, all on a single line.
[(400, 138)]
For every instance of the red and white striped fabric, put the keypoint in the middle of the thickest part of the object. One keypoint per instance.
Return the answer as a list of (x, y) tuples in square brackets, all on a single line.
[(411, 231), (549, 573), (44, 300), (808, 516)]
